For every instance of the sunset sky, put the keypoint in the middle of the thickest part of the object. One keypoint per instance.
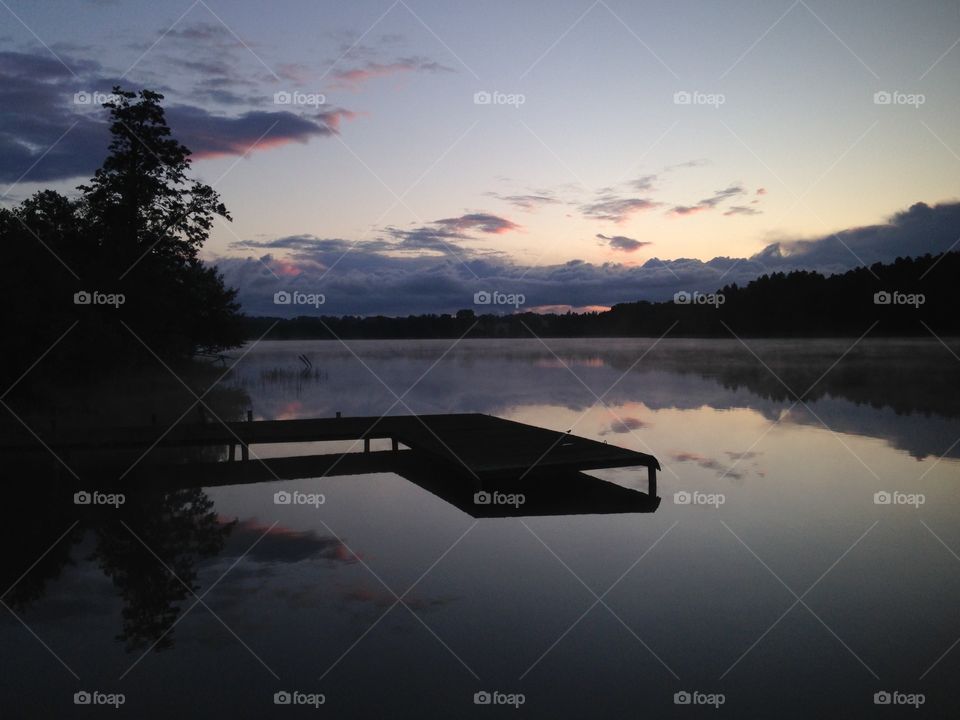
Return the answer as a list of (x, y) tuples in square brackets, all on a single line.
[(586, 180)]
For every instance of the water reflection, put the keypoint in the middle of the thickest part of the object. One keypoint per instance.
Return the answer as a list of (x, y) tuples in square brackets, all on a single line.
[(151, 552), (312, 592), (150, 547), (866, 388)]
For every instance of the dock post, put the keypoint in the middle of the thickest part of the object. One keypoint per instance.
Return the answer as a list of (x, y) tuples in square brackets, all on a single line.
[(366, 444), (651, 481), (395, 444), (245, 447)]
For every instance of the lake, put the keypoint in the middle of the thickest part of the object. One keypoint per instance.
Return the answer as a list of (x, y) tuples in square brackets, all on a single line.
[(805, 556)]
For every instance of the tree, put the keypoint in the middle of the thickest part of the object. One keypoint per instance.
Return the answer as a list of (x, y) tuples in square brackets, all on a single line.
[(135, 230), (140, 200), (150, 221)]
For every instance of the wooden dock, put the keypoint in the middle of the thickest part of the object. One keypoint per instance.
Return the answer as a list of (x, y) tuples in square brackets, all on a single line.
[(451, 455)]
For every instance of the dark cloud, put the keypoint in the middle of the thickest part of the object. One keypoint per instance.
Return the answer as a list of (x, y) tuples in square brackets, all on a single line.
[(484, 222), (625, 425), (200, 31), (711, 202), (742, 210), (429, 238), (720, 195), (45, 134), (707, 464), (394, 275), (747, 455), (920, 229), (210, 135), (621, 242), (617, 209)]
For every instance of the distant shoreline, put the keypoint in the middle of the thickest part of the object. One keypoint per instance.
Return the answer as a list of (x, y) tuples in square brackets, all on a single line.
[(668, 336), (911, 297)]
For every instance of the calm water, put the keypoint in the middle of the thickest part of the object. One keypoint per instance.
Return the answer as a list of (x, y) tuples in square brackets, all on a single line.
[(784, 584)]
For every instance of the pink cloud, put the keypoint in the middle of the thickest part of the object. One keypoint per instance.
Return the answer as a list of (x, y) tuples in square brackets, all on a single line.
[(372, 70)]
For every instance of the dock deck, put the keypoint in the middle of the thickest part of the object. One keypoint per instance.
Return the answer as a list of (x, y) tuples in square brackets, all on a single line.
[(482, 447)]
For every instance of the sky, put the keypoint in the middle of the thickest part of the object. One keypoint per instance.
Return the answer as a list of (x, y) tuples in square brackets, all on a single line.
[(400, 157)]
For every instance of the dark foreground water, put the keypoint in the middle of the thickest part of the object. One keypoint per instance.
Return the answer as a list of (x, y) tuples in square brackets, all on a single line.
[(805, 558)]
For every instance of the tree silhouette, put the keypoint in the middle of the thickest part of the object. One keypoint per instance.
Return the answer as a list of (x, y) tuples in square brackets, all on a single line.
[(136, 229), (150, 221), (140, 201)]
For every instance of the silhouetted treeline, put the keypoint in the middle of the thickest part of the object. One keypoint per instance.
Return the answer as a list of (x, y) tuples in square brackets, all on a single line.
[(917, 291), (116, 270)]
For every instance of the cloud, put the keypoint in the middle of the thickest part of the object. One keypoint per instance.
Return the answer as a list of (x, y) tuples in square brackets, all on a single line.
[(644, 183), (707, 464), (720, 195), (700, 162), (383, 599), (525, 202), (441, 237), (411, 271), (616, 209), (372, 69), (748, 455), (625, 425), (45, 135), (200, 31), (484, 222), (742, 210), (272, 544), (621, 242), (208, 135), (918, 230), (687, 209), (711, 202)]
